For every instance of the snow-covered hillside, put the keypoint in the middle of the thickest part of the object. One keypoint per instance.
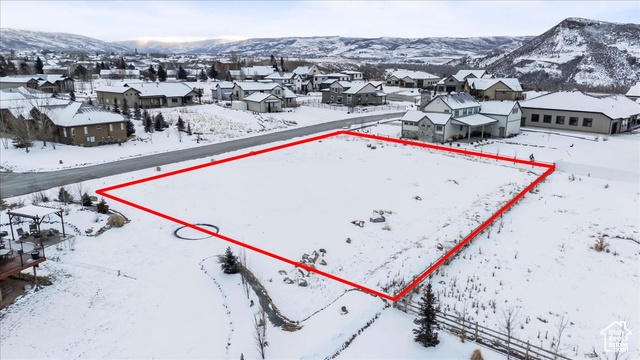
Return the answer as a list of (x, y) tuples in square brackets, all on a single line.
[(26, 40), (580, 51)]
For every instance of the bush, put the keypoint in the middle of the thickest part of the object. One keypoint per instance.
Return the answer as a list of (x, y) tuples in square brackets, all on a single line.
[(102, 207), (86, 200), (116, 221)]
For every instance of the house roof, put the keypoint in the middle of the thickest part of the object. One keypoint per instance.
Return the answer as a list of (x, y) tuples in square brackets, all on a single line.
[(612, 106), (260, 97), (257, 86), (257, 70), (413, 116), (302, 70), (80, 114), (438, 118), (119, 72), (462, 74), (484, 84), (634, 91), (281, 76), (497, 107), (19, 101), (288, 94), (416, 75), (355, 88), (474, 120), (162, 89), (115, 89), (457, 100), (225, 84)]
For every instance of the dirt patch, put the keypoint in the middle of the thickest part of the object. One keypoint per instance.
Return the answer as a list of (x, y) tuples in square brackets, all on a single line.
[(14, 287)]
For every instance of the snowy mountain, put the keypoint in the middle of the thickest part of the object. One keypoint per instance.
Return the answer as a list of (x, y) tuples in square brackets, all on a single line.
[(26, 40), (385, 49), (579, 51)]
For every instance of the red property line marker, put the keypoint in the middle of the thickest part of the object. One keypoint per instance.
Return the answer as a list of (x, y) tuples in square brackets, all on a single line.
[(550, 168)]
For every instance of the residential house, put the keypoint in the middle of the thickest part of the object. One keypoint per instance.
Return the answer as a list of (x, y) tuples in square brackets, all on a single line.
[(252, 73), (147, 95), (306, 72), (353, 75), (290, 80), (353, 94), (508, 114), (447, 117), (455, 83), (578, 111), (329, 79), (78, 123), (243, 89), (49, 83), (494, 88), (119, 74), (634, 92), (412, 79), (223, 90), (263, 102)]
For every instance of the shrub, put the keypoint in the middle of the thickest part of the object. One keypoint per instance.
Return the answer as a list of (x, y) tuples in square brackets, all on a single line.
[(116, 220), (86, 200), (102, 207), (64, 196)]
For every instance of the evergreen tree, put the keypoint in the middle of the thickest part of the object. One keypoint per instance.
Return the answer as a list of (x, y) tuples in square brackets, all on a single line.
[(159, 122), (121, 65), (25, 69), (282, 64), (147, 122), (103, 66), (90, 101), (151, 73), (203, 75), (86, 200), (96, 69), (213, 73), (229, 263), (189, 128), (39, 66), (131, 129), (182, 73), (116, 109), (136, 111), (72, 96), (180, 124), (102, 207), (125, 108), (162, 74), (426, 321)]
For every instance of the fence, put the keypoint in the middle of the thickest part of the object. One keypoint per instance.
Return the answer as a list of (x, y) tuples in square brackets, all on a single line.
[(356, 109), (495, 340)]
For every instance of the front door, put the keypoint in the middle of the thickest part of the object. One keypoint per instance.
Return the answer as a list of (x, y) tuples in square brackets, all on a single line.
[(614, 128)]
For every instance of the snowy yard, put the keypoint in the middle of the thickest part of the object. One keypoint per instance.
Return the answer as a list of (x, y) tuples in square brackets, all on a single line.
[(539, 258)]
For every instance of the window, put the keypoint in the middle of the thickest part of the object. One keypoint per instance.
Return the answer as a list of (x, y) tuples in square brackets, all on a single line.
[(587, 122), (455, 113), (446, 111), (73, 132), (547, 119), (439, 128), (461, 127), (246, 93), (573, 121), (110, 127), (560, 120), (464, 112), (64, 132), (535, 118), (98, 128), (86, 130), (122, 126), (515, 110), (174, 100)]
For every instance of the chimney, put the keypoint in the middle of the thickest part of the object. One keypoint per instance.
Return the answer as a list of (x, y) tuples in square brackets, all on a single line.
[(425, 97)]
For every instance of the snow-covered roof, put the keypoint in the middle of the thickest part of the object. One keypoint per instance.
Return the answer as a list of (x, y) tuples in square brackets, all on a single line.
[(281, 76), (612, 106), (413, 116), (351, 72), (80, 114), (302, 70), (634, 91), (354, 88), (458, 100), (288, 94), (35, 211), (260, 97), (225, 84), (19, 101), (114, 89), (337, 75), (162, 89), (462, 74), (257, 70), (438, 118), (416, 75), (15, 79), (118, 72), (497, 107), (257, 86), (484, 83), (474, 120)]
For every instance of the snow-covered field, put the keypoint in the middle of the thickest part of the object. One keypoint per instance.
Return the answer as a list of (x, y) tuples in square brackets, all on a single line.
[(174, 302)]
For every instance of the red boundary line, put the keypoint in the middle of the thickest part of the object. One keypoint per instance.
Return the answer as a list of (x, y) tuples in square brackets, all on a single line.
[(550, 168)]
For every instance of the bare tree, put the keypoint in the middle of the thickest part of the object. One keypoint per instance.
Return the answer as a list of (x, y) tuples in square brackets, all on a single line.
[(41, 113), (560, 326), (260, 331), (509, 322), (4, 134)]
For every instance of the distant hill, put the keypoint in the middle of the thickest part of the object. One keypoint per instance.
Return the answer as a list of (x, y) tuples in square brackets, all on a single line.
[(580, 51), (26, 40)]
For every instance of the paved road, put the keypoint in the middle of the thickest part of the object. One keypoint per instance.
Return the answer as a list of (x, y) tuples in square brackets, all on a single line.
[(15, 184)]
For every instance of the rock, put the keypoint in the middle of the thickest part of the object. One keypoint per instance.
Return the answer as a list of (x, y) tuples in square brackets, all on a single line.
[(343, 310), (88, 231), (323, 251), (378, 219), (303, 283), (348, 240), (417, 198), (287, 281), (323, 262), (439, 246), (282, 272)]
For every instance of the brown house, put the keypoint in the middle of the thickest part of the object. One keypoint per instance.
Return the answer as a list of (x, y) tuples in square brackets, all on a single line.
[(149, 95)]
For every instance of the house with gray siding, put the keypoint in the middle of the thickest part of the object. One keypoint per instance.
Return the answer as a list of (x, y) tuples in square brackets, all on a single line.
[(579, 111), (353, 94), (412, 79), (455, 82)]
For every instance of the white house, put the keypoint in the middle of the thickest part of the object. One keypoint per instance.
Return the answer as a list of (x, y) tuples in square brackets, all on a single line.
[(634, 92), (455, 82), (507, 113), (412, 79), (263, 103)]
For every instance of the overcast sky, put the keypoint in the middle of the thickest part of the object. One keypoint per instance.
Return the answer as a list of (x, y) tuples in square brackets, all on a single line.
[(199, 20)]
